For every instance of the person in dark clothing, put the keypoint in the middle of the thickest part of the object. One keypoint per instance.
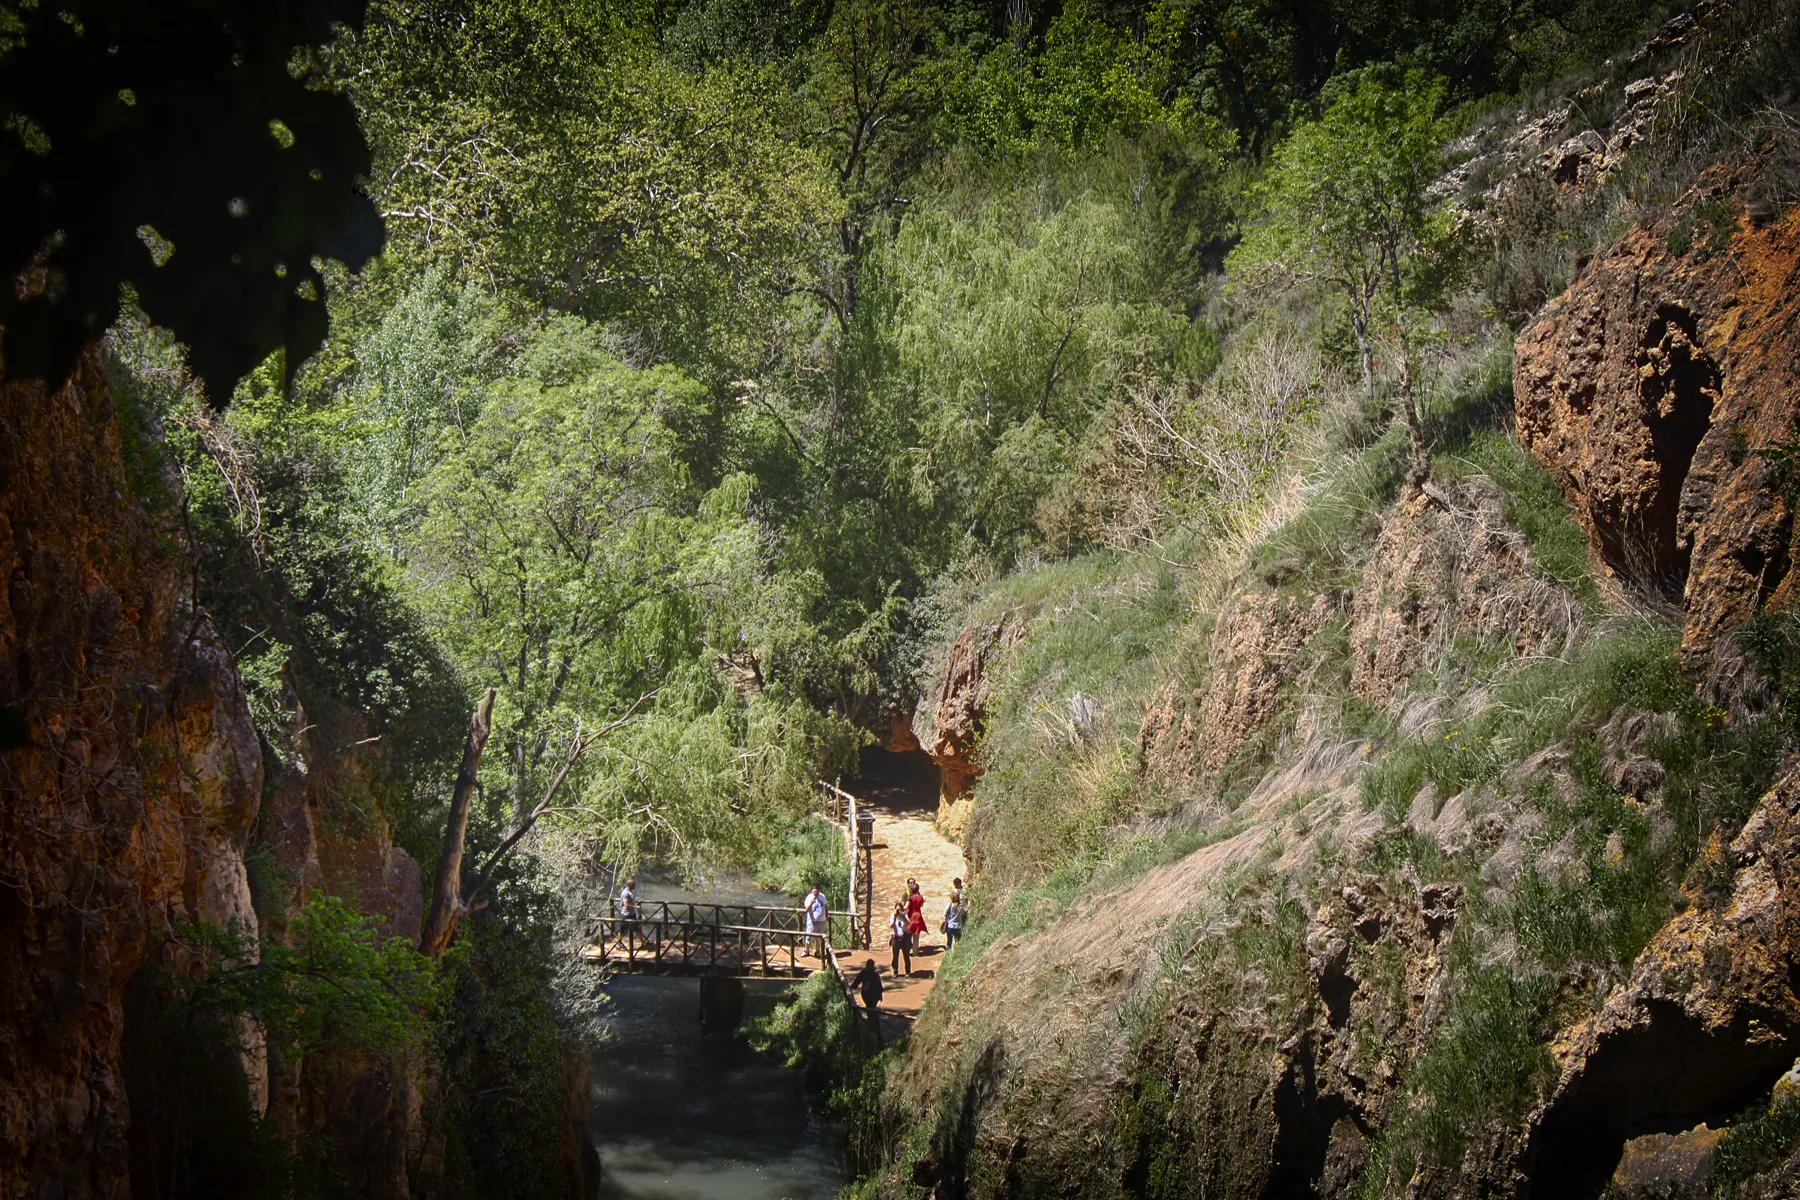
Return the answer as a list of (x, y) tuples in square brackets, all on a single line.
[(900, 939), (868, 982)]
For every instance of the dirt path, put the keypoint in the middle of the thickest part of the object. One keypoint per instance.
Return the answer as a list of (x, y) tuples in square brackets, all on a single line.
[(903, 797)]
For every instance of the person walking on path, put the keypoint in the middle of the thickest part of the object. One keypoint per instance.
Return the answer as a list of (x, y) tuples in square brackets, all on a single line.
[(900, 938), (868, 982), (816, 910), (954, 915), (915, 911)]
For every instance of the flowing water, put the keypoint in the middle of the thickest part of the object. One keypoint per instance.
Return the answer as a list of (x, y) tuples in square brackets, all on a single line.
[(683, 1115)]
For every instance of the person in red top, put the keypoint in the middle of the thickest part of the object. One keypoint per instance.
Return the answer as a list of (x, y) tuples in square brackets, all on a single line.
[(915, 910)]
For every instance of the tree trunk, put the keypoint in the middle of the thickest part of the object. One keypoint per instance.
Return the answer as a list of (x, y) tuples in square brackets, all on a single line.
[(1415, 428), (1359, 324), (446, 897)]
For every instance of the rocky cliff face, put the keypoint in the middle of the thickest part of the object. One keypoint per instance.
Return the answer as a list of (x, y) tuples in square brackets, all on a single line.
[(1252, 1018), (131, 780), (1661, 390), (948, 724), (1709, 1018), (368, 1111)]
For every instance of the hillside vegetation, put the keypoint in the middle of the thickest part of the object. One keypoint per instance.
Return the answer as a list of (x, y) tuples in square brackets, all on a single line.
[(1353, 743)]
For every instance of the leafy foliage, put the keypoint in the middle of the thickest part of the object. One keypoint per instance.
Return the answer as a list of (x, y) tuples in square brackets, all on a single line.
[(1347, 208), (332, 982), (173, 149), (550, 155), (726, 353), (502, 1046)]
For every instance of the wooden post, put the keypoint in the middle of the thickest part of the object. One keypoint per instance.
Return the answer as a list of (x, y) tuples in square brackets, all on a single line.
[(850, 842)]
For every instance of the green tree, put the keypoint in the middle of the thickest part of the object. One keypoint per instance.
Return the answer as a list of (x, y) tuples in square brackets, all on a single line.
[(418, 373), (1347, 208), (1015, 325), (1088, 79), (550, 552), (873, 84), (589, 175)]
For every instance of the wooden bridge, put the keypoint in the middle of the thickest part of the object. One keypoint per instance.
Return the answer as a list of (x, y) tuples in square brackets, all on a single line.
[(678, 937), (683, 938)]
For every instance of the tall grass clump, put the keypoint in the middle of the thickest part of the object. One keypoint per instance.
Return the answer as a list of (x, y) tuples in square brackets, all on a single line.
[(1059, 752), (1603, 870)]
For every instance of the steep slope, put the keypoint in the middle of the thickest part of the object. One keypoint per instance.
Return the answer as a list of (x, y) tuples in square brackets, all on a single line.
[(1459, 883)]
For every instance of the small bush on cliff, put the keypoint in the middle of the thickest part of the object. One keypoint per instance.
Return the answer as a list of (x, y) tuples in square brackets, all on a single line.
[(331, 986), (334, 982), (1756, 1157), (501, 1042), (819, 1033)]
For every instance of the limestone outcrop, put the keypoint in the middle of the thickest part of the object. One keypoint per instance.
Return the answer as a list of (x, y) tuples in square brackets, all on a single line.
[(130, 776), (949, 723), (1449, 566), (1709, 1019), (1256, 650), (1661, 391)]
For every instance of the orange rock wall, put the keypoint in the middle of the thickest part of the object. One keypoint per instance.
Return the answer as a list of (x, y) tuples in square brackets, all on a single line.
[(1660, 390), (129, 778)]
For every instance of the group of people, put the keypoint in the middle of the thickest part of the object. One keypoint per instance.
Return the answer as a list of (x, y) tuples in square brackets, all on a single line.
[(904, 929), (908, 922)]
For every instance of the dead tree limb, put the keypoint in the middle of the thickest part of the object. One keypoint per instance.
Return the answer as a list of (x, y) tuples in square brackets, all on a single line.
[(446, 893), (449, 899), (577, 747)]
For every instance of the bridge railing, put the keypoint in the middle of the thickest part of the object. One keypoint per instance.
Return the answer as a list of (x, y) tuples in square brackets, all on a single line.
[(749, 949), (664, 929)]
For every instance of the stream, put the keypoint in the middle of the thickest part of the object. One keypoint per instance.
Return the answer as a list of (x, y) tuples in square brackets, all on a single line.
[(683, 1115)]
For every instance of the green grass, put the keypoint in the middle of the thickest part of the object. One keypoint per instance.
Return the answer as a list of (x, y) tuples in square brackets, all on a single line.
[(1486, 1066), (1760, 1139), (1323, 548), (1573, 929), (811, 853), (1559, 548), (1053, 793)]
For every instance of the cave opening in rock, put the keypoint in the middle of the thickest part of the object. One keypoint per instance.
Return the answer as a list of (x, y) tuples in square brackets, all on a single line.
[(1678, 386), (897, 780), (1665, 1075)]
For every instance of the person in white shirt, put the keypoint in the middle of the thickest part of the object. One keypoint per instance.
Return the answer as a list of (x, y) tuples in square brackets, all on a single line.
[(900, 938), (816, 910)]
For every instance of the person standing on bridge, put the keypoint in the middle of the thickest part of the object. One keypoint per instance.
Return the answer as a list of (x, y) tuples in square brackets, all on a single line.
[(629, 912), (816, 911), (900, 938)]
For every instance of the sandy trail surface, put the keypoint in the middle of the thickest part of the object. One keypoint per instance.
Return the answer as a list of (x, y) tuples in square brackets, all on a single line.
[(902, 793)]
